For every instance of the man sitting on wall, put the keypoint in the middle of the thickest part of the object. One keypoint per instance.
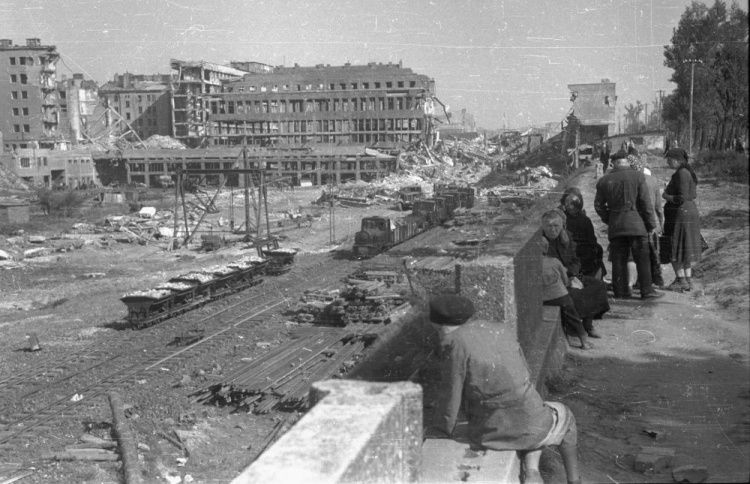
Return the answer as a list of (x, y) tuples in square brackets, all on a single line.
[(482, 365)]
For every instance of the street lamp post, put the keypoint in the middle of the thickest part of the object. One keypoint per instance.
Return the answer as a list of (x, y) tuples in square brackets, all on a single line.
[(692, 60)]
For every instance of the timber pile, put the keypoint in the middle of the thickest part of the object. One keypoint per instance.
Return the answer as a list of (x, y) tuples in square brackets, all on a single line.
[(360, 302)]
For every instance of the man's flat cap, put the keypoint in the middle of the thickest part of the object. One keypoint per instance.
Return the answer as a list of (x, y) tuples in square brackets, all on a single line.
[(450, 310), (619, 155)]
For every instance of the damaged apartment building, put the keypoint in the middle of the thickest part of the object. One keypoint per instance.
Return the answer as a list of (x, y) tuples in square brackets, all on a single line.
[(28, 101), (255, 104)]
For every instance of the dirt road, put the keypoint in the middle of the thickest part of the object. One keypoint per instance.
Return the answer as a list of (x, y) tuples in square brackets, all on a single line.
[(671, 373)]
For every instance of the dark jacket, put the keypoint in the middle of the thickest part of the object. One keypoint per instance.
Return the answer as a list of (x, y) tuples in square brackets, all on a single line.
[(623, 202), (588, 250), (483, 365)]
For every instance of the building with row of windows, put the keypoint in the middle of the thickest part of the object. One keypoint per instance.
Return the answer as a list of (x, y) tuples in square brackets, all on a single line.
[(29, 112), (212, 106), (53, 168), (373, 103), (138, 104)]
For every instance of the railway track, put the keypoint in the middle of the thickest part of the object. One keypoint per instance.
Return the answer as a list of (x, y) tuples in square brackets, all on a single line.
[(73, 385), (166, 357)]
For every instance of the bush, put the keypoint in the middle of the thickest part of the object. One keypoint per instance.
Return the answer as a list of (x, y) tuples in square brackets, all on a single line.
[(728, 165), (60, 201)]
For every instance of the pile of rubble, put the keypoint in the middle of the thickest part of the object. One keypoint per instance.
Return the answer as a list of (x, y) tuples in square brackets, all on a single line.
[(22, 249), (11, 181)]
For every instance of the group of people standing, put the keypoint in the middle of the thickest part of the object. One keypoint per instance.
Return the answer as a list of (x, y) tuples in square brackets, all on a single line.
[(642, 236), (483, 368)]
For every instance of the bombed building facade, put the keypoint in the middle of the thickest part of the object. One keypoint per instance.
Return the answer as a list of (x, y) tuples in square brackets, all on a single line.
[(30, 111), (136, 103), (367, 104), (594, 108)]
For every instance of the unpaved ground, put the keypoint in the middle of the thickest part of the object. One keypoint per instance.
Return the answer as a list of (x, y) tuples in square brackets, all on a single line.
[(678, 367), (51, 298)]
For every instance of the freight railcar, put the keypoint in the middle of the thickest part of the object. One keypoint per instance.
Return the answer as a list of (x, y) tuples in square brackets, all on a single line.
[(379, 234), (467, 195), (188, 291)]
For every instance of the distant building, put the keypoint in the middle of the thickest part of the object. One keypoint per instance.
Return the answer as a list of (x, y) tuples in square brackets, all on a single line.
[(594, 108), (29, 110), (14, 211), (138, 104), (462, 122), (192, 85), (79, 106), (52, 168), (366, 104)]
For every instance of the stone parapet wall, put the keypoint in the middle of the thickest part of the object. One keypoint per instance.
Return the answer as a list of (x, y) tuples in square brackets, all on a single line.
[(356, 432)]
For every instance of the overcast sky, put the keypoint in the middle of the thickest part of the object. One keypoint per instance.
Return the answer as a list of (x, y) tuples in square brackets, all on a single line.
[(494, 58)]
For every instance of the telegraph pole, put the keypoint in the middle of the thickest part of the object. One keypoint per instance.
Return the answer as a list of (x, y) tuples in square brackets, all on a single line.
[(246, 183), (661, 106)]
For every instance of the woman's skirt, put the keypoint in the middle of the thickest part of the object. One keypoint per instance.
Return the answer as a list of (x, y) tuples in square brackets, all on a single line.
[(682, 226), (591, 301)]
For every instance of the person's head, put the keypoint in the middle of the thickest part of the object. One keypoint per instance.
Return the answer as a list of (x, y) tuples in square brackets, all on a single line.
[(552, 224), (620, 159), (449, 311), (676, 157), (572, 201)]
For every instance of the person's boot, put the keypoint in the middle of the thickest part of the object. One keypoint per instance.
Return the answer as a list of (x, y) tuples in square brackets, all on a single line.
[(688, 284), (680, 284)]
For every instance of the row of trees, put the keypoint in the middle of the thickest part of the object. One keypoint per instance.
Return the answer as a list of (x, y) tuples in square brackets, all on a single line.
[(713, 41)]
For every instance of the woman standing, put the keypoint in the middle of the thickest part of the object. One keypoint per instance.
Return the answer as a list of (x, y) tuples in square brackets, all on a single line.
[(682, 241)]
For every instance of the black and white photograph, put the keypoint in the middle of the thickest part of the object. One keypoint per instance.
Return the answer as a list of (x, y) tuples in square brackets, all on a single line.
[(406, 241)]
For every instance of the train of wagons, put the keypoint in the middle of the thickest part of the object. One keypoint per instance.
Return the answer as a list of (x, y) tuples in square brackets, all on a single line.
[(378, 234), (193, 289)]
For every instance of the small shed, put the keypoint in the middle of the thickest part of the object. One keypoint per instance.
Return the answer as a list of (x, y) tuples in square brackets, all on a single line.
[(14, 212)]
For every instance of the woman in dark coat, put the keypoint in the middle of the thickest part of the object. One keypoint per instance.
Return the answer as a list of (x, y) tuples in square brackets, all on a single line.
[(589, 294), (681, 243), (579, 225)]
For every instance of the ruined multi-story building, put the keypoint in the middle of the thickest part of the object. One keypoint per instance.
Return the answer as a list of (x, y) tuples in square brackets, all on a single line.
[(594, 109), (137, 103), (367, 104), (29, 110), (256, 104), (192, 85), (80, 111)]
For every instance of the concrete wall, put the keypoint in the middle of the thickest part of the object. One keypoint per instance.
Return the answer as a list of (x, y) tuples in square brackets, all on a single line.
[(356, 432), (370, 432)]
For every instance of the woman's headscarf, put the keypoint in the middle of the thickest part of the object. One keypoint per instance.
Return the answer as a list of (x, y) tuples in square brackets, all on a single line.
[(635, 163), (680, 156)]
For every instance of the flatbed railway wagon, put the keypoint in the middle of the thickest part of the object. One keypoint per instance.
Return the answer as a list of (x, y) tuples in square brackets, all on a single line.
[(187, 291)]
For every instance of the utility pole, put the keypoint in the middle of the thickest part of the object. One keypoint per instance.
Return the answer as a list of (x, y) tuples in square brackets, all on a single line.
[(246, 182), (646, 123), (661, 106), (692, 59)]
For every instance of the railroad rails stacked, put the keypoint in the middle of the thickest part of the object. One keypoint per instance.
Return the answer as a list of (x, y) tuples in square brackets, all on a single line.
[(338, 324)]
